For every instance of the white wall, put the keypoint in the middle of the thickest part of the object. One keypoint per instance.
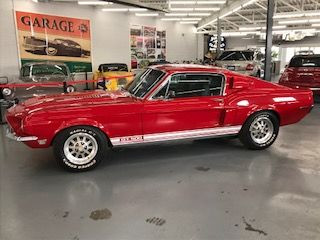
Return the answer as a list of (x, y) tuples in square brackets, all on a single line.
[(109, 33)]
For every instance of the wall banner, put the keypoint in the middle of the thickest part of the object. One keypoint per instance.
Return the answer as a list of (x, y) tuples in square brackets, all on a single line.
[(147, 44), (44, 37)]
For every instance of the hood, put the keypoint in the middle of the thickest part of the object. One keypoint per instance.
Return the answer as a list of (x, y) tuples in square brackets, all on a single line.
[(116, 74), (75, 99)]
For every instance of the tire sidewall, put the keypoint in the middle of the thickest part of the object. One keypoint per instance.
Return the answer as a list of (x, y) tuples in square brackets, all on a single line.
[(245, 134), (65, 162)]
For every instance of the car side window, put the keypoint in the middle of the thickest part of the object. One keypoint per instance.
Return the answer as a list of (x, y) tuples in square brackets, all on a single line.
[(192, 85)]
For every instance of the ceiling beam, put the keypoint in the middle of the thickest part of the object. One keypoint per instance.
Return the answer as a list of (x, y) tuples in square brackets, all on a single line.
[(227, 9), (245, 18), (290, 5)]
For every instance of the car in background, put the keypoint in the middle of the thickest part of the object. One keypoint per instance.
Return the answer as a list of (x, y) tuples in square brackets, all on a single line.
[(303, 71), (116, 76), (35, 73), (57, 47), (163, 103), (158, 62), (248, 62), (134, 62)]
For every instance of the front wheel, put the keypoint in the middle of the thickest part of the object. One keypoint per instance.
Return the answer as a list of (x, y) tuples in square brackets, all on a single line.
[(260, 130), (80, 148)]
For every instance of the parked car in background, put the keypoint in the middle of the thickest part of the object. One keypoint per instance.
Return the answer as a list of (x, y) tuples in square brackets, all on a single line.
[(134, 62), (158, 62), (248, 62), (163, 103), (116, 75), (57, 47), (303, 71), (36, 73)]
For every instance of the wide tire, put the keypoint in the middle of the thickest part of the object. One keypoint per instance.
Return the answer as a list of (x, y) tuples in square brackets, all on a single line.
[(260, 130), (80, 148)]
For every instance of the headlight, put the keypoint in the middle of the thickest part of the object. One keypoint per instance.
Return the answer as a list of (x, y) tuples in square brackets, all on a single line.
[(6, 91)]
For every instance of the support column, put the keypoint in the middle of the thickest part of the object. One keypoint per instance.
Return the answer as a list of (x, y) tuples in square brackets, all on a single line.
[(218, 36), (267, 63)]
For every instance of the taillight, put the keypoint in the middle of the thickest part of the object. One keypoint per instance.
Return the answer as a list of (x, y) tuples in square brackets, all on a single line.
[(249, 67), (284, 77)]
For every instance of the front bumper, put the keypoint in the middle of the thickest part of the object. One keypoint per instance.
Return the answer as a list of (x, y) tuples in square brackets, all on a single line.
[(10, 134)]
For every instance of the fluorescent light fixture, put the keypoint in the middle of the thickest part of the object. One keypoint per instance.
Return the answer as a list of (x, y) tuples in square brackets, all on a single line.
[(294, 21), (198, 2), (147, 14), (36, 1), (170, 19), (93, 3), (211, 2), (293, 15), (239, 33), (189, 22), (182, 9), (297, 21), (138, 9), (312, 14), (248, 28), (207, 9), (183, 2), (316, 25), (115, 9), (176, 14), (191, 19), (199, 14)]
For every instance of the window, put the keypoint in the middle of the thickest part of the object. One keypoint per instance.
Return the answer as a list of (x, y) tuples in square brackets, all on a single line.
[(192, 85), (144, 82), (305, 61), (236, 56)]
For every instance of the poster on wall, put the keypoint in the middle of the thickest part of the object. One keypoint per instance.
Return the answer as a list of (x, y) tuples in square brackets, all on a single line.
[(147, 44), (44, 37)]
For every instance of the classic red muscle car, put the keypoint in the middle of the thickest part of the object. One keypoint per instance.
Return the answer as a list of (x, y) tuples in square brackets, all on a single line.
[(165, 102)]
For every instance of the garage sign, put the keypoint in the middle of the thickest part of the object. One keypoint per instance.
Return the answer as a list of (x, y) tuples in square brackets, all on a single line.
[(44, 37)]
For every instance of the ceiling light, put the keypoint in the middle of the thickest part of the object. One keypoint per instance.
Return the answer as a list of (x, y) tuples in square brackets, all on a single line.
[(138, 9), (183, 2), (248, 28), (316, 25), (189, 22), (211, 2), (176, 14), (312, 14), (199, 14), (115, 9), (294, 21), (35, 1), (207, 9), (293, 15), (147, 14), (191, 19), (181, 9), (314, 20), (94, 3), (170, 19)]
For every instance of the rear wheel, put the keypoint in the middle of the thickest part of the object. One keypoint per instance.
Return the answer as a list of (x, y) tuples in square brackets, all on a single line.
[(260, 130), (51, 51), (80, 148)]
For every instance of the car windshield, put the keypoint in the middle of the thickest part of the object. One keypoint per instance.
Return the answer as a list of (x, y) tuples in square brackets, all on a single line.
[(44, 70), (144, 82), (236, 56), (305, 61)]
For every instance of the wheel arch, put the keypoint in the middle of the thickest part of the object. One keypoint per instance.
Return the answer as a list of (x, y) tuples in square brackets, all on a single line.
[(94, 125), (271, 110)]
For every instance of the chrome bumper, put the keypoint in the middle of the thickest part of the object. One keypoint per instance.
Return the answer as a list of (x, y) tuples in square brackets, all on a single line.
[(315, 89), (10, 134)]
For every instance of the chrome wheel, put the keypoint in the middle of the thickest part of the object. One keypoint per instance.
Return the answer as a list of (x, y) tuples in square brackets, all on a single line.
[(80, 148), (261, 130), (51, 51)]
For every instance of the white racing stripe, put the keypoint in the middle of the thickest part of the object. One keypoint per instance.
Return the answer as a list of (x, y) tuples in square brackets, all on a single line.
[(284, 99), (158, 137)]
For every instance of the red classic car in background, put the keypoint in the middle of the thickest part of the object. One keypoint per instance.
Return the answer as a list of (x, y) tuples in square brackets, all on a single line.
[(167, 102), (303, 71)]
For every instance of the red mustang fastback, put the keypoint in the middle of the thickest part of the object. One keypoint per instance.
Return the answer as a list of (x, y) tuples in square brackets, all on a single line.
[(163, 103)]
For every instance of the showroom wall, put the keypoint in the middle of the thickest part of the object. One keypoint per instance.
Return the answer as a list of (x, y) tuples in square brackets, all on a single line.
[(110, 33)]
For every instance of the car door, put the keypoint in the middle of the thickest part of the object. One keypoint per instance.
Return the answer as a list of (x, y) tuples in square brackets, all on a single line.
[(187, 101)]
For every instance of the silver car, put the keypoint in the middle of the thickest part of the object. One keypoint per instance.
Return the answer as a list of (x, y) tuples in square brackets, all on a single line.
[(37, 73), (247, 62)]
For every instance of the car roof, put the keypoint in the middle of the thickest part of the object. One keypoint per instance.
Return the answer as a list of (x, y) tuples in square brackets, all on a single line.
[(306, 55), (188, 68)]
